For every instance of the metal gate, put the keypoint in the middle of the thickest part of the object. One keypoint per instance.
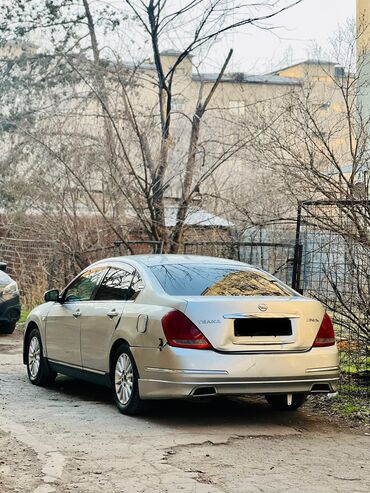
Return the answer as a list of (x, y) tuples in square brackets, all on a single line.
[(332, 264)]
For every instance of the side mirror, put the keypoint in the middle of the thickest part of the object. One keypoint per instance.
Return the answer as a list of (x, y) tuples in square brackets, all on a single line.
[(2, 266), (52, 295)]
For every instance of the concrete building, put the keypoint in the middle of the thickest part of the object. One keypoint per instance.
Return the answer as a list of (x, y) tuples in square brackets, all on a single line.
[(241, 103)]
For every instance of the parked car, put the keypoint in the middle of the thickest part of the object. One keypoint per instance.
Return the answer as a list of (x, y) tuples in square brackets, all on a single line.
[(174, 326), (10, 309)]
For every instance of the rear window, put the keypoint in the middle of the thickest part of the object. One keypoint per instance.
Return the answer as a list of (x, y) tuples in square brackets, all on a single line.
[(217, 280)]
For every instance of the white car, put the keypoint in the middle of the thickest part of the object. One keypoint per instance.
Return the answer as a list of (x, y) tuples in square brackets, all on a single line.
[(182, 326)]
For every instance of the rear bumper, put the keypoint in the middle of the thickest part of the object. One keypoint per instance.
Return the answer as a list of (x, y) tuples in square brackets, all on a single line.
[(163, 389), (179, 373)]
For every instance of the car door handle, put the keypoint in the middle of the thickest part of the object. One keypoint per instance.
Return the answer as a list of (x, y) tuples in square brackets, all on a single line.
[(112, 314), (77, 314)]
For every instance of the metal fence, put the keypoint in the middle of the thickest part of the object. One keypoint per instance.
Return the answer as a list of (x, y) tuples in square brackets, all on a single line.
[(334, 266), (277, 258), (31, 262)]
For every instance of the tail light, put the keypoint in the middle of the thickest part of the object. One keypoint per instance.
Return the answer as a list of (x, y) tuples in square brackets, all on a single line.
[(325, 335), (181, 332)]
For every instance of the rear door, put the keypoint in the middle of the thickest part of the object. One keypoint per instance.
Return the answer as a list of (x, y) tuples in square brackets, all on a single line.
[(98, 325)]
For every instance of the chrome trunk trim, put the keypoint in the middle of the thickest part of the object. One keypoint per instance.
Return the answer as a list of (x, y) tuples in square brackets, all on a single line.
[(319, 370)]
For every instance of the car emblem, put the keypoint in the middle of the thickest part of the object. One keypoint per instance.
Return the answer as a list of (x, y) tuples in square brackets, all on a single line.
[(262, 307)]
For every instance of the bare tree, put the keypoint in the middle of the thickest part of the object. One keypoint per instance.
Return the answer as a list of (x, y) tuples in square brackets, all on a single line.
[(319, 147), (127, 157)]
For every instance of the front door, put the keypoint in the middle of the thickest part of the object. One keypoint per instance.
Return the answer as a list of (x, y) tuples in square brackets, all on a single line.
[(63, 323)]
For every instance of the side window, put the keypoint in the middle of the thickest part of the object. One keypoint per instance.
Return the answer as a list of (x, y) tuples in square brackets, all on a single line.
[(137, 286), (84, 287), (116, 285)]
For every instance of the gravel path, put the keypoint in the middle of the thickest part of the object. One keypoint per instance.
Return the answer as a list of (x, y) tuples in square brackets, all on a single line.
[(71, 438)]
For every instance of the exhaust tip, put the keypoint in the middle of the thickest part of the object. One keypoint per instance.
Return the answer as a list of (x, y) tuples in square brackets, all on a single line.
[(321, 388), (204, 391)]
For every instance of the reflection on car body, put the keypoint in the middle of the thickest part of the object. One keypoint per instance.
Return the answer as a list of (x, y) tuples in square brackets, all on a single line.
[(173, 326)]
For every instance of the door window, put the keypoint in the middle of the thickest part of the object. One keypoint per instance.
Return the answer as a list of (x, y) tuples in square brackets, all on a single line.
[(84, 288), (116, 285), (120, 284), (137, 285)]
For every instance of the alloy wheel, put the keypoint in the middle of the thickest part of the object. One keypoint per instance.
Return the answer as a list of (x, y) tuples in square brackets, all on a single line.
[(123, 379), (34, 357)]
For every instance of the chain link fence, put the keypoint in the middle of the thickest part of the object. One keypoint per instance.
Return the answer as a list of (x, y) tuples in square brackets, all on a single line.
[(32, 263)]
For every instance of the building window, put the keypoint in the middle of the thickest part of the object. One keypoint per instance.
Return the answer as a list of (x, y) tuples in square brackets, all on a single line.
[(237, 107), (322, 106), (178, 104)]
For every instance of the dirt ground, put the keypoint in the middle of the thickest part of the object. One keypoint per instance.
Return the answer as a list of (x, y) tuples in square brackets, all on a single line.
[(71, 438)]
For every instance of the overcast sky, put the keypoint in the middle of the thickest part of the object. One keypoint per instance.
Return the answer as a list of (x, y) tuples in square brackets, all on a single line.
[(295, 33), (312, 21)]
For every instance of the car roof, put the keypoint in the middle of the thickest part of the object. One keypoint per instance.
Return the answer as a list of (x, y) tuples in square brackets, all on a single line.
[(161, 259)]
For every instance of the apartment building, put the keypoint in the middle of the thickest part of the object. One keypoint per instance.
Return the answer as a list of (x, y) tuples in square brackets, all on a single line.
[(240, 107)]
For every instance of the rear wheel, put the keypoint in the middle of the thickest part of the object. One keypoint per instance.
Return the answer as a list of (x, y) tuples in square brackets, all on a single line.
[(7, 327), (285, 402), (38, 368), (124, 377)]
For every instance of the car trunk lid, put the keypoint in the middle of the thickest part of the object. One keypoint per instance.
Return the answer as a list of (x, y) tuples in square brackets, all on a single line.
[(254, 324)]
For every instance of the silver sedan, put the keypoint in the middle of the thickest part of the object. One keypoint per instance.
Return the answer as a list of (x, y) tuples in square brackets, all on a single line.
[(181, 326)]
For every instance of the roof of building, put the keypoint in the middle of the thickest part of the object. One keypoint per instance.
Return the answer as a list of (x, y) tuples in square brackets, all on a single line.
[(196, 217), (171, 52), (135, 66), (242, 78), (309, 61), (20, 43), (345, 169)]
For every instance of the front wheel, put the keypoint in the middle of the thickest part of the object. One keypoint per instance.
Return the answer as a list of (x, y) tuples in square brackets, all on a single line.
[(124, 377), (285, 402), (38, 369)]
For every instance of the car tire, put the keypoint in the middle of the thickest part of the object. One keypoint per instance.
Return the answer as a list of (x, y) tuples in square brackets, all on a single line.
[(124, 380), (8, 327), (280, 401), (38, 370)]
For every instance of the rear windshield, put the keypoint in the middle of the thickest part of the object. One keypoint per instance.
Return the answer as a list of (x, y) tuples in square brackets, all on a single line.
[(217, 280)]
